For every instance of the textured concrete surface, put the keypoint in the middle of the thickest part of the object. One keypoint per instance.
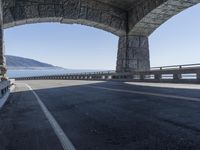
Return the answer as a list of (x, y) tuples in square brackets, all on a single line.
[(87, 12), (119, 17), (146, 17), (133, 54), (100, 119), (126, 19), (2, 50)]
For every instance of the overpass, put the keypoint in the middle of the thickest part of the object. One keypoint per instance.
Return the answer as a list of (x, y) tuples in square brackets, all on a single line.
[(132, 20), (115, 110)]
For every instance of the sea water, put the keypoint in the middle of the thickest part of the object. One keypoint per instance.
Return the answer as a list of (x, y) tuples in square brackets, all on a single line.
[(30, 73)]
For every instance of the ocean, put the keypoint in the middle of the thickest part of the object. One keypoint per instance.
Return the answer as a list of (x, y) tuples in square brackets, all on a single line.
[(40, 72)]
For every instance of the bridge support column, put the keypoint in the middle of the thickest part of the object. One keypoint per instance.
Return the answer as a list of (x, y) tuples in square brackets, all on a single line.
[(2, 57), (133, 54)]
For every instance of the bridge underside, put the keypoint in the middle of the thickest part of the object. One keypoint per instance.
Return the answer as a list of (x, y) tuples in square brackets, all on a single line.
[(132, 20)]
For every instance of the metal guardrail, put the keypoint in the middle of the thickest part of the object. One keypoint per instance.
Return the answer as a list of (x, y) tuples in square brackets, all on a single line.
[(176, 67), (177, 73)]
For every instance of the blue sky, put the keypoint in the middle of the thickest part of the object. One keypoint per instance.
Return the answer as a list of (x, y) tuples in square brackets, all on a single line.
[(81, 47)]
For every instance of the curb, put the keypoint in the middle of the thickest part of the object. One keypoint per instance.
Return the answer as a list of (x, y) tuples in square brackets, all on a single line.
[(5, 97)]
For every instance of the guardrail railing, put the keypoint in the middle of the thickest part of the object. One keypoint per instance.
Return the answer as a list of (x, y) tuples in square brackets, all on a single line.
[(177, 73), (177, 67)]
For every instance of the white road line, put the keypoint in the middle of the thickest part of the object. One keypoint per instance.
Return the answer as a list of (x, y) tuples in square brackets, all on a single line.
[(149, 93), (64, 140)]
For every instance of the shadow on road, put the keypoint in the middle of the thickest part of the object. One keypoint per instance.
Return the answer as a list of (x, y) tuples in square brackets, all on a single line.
[(98, 119)]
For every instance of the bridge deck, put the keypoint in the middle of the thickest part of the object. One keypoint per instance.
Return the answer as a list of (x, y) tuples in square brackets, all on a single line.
[(102, 116)]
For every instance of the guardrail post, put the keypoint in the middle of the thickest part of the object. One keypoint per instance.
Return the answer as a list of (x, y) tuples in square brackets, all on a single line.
[(1, 93), (141, 77), (177, 76), (105, 77), (157, 76), (198, 76)]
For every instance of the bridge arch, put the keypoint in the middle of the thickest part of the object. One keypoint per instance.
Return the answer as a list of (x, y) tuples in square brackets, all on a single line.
[(177, 38), (132, 20), (86, 12), (145, 20)]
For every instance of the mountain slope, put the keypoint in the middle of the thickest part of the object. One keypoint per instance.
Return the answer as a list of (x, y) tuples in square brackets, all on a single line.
[(16, 62)]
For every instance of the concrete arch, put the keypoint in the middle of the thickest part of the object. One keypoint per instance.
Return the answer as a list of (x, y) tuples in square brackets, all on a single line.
[(86, 12), (147, 17), (132, 20)]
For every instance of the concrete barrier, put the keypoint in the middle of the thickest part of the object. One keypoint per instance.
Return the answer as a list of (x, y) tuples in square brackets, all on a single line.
[(174, 74), (5, 88)]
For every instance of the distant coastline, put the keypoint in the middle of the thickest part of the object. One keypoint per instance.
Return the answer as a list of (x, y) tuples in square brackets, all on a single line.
[(24, 67), (21, 63), (35, 68)]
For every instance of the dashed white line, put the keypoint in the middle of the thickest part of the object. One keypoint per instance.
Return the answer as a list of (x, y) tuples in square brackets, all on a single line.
[(149, 93), (64, 140)]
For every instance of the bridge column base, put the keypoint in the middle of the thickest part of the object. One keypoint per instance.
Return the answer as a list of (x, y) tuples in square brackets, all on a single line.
[(2, 56), (133, 54)]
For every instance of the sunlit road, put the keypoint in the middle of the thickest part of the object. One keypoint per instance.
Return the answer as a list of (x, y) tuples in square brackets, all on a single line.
[(92, 115)]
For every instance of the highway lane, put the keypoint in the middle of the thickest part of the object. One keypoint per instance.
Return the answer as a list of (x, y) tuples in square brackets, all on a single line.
[(23, 125), (96, 118)]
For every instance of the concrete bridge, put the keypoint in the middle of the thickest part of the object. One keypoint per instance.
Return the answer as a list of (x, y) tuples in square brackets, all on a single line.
[(132, 20), (104, 110)]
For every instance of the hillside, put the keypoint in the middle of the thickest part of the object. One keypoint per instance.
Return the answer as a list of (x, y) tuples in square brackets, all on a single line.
[(15, 62)]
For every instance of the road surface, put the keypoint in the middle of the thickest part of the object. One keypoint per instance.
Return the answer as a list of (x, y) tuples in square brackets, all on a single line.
[(94, 115)]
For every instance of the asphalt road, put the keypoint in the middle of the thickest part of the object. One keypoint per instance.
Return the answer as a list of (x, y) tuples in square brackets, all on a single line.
[(93, 115)]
